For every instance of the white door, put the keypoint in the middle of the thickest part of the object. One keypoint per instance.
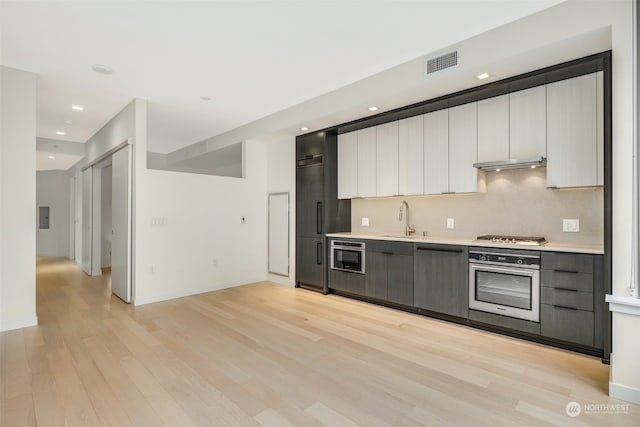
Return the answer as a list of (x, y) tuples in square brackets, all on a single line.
[(121, 224), (87, 175)]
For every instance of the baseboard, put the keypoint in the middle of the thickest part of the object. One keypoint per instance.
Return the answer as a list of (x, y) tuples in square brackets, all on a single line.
[(282, 280), (624, 392), (18, 324), (193, 291)]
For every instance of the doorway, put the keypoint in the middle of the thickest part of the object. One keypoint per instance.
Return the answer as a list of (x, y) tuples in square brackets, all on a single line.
[(107, 219)]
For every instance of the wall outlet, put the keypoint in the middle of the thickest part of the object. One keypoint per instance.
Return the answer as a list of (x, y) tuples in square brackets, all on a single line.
[(451, 223), (364, 222), (152, 270), (214, 262), (571, 225)]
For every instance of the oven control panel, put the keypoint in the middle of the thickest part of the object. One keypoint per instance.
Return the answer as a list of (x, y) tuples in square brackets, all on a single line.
[(531, 261)]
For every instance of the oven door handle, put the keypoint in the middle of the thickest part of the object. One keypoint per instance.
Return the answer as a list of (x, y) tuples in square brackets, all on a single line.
[(499, 269)]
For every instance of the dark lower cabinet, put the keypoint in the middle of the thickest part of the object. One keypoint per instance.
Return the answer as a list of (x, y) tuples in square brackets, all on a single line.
[(441, 278), (567, 324), (376, 275), (310, 268), (571, 287), (345, 281), (389, 271), (400, 279)]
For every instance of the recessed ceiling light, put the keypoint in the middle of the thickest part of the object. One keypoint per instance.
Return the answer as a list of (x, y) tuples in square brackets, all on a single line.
[(373, 108), (533, 166), (52, 157), (304, 128), (59, 132), (77, 107), (68, 122), (205, 98), (497, 170), (102, 69), (483, 76)]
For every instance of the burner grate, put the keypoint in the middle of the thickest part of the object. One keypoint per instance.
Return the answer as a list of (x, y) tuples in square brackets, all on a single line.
[(517, 240)]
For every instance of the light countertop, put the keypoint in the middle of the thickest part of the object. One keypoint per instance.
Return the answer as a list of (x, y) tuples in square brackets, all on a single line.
[(550, 246)]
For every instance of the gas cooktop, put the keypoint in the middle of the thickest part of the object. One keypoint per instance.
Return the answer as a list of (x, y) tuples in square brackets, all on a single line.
[(516, 240)]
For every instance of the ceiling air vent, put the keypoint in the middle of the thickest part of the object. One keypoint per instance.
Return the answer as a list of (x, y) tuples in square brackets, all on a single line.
[(443, 61)]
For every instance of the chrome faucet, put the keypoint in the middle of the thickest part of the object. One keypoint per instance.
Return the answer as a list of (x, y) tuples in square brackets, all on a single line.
[(408, 230)]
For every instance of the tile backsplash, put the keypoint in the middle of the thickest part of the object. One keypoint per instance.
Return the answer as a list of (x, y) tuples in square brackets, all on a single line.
[(516, 202)]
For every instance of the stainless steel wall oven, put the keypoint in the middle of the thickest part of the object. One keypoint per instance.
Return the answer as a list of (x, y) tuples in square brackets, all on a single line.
[(506, 283)]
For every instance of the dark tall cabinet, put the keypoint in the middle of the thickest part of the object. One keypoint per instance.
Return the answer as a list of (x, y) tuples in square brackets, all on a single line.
[(318, 210)]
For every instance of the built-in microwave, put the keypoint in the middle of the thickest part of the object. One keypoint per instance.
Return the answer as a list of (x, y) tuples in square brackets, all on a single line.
[(347, 256)]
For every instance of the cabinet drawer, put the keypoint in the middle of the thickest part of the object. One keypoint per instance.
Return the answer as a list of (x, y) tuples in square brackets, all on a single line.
[(577, 263), (396, 248), (347, 282), (567, 280), (566, 298), (566, 324)]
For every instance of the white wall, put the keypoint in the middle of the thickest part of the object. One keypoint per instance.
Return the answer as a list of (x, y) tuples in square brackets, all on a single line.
[(17, 199), (52, 189), (120, 128), (281, 177), (105, 216), (204, 246)]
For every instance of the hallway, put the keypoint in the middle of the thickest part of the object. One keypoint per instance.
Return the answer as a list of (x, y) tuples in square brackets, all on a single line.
[(265, 354)]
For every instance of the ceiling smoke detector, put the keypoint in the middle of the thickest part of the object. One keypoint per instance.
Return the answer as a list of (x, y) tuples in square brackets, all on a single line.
[(102, 69)]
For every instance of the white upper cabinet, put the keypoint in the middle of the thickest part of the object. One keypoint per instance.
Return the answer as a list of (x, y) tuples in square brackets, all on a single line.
[(367, 162), (572, 132), (348, 165), (528, 123), (463, 148), (410, 156), (436, 152), (387, 159), (493, 129)]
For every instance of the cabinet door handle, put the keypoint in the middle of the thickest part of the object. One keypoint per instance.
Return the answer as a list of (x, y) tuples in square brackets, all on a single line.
[(559, 270), (454, 251), (319, 217), (387, 253), (565, 307), (319, 253), (567, 289)]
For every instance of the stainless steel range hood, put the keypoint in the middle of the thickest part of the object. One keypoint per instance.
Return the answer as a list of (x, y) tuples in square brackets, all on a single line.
[(536, 162)]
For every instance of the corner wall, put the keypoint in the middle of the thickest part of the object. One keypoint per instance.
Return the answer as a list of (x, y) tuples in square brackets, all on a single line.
[(17, 199), (281, 178), (200, 244)]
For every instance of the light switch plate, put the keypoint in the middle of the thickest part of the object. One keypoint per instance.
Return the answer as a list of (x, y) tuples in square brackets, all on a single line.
[(571, 225), (364, 222), (450, 223)]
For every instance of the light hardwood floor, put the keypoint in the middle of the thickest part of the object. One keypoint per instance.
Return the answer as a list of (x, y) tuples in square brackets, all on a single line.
[(266, 354)]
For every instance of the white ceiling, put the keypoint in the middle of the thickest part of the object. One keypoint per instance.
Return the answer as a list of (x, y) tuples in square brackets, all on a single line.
[(60, 161), (253, 59)]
